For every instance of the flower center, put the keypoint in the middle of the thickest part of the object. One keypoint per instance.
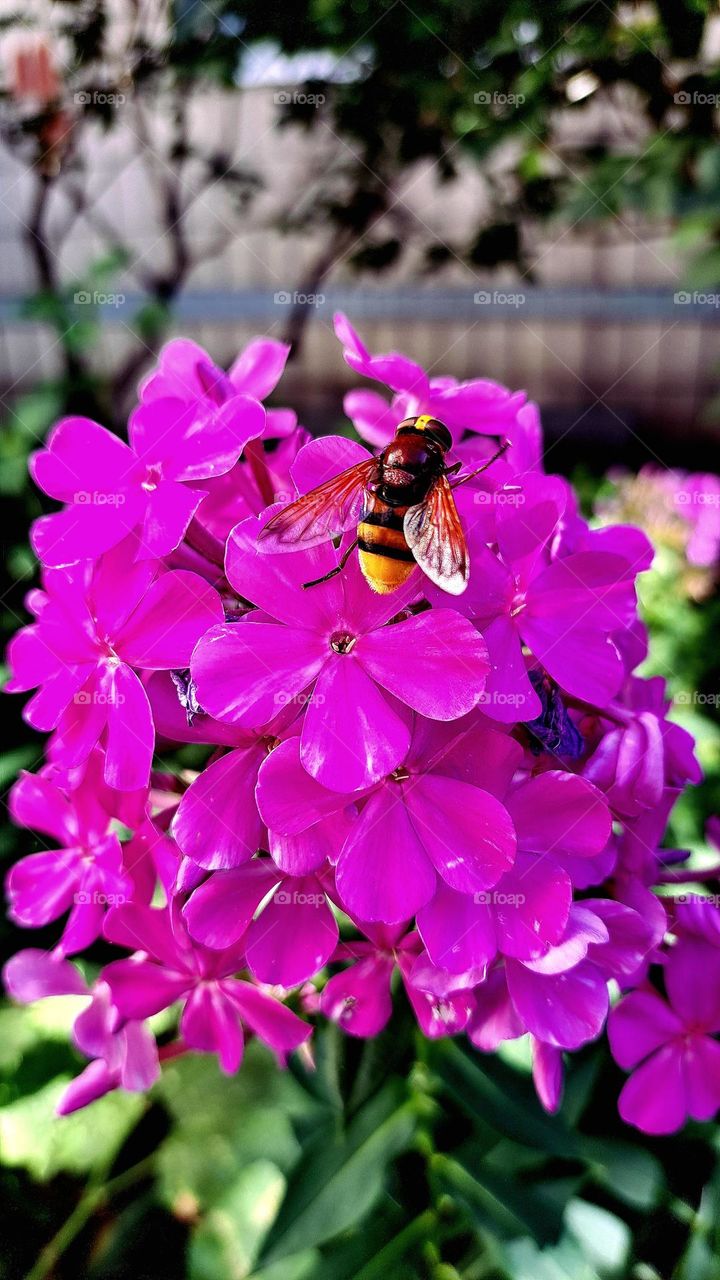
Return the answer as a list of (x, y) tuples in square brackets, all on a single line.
[(153, 476), (342, 642), (270, 743), (518, 604), (401, 774)]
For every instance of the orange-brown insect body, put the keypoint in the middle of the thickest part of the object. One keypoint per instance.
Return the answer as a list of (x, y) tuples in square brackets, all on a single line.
[(407, 469), (402, 506)]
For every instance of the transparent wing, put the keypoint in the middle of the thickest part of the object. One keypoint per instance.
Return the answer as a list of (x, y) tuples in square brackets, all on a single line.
[(323, 513), (435, 536)]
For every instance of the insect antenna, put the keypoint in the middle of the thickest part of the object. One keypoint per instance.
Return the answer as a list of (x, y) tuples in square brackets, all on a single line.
[(488, 463)]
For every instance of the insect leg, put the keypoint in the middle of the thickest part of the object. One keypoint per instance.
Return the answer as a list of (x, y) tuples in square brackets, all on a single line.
[(338, 568), (488, 463)]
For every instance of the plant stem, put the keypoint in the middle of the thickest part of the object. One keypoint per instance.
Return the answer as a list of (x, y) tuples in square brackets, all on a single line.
[(92, 1198), (415, 1231)]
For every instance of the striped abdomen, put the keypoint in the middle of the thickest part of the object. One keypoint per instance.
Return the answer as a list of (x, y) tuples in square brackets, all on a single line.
[(385, 557)]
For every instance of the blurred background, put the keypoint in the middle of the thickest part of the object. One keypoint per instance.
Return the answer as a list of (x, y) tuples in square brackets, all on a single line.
[(524, 191)]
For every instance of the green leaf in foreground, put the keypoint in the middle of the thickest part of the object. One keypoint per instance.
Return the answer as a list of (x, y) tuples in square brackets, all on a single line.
[(341, 1173)]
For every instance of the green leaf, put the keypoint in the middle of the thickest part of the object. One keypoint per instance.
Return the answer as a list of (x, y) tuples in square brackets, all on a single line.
[(500, 1203), (34, 1137), (223, 1125), (628, 1172), (495, 1095), (225, 1244), (341, 1173)]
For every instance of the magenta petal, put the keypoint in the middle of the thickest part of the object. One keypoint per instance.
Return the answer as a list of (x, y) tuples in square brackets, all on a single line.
[(294, 936), (311, 849), (584, 929), (524, 528), (277, 1025), (638, 1025), (87, 527), (702, 1077), (84, 925), (210, 1024), (465, 832), (212, 447), (531, 905), (494, 1019), (359, 998), (31, 660), (140, 1067), (82, 721), (42, 886), (559, 811), (508, 695), (130, 732), (457, 931), (583, 662), (258, 369), (289, 799), (217, 823), (171, 507), (352, 735), (94, 1082), (547, 1074), (437, 1015), (273, 576), (220, 910), (565, 1009), (589, 589), (33, 975), (692, 981), (371, 415), (449, 667), (383, 873), (653, 1099), (632, 937), (176, 611), (80, 455), (37, 803), (246, 672), (140, 988), (133, 925)]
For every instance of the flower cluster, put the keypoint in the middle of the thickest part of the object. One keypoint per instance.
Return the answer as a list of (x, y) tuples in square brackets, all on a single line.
[(462, 798)]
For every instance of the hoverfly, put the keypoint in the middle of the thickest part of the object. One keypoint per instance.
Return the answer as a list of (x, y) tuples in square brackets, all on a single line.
[(402, 503)]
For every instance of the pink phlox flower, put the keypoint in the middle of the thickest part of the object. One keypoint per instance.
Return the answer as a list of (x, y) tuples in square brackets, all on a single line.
[(669, 1045), (168, 966), (83, 876), (97, 625)]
